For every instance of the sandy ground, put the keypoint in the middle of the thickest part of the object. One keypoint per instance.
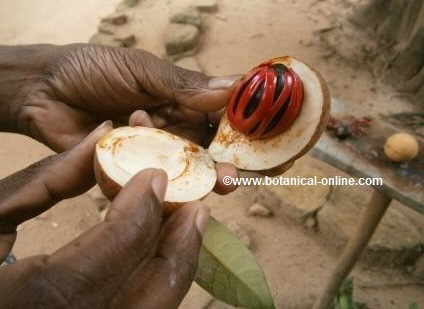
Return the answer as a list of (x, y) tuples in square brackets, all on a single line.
[(51, 21), (235, 38)]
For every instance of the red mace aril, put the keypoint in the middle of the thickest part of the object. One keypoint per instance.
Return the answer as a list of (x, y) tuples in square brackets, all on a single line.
[(266, 101)]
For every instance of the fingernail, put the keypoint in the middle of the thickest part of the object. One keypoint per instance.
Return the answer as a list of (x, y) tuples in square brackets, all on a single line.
[(140, 118), (223, 82), (202, 218), (97, 132), (107, 123), (159, 184)]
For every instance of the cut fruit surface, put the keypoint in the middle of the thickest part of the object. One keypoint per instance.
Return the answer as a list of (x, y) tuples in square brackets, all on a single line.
[(230, 145), (125, 151)]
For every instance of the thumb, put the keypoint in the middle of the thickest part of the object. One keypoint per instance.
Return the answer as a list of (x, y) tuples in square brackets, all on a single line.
[(210, 96), (108, 253), (170, 273), (195, 90)]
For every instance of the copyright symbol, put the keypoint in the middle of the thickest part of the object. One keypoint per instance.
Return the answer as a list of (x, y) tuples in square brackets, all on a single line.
[(227, 180)]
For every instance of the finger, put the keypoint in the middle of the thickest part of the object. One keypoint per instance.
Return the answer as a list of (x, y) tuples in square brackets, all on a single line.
[(215, 117), (182, 121), (56, 124), (213, 97), (162, 79), (110, 251), (225, 170), (41, 185), (171, 273), (140, 118), (6, 245)]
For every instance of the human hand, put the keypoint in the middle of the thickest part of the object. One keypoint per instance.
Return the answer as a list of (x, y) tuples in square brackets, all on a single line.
[(71, 89), (58, 94), (134, 259)]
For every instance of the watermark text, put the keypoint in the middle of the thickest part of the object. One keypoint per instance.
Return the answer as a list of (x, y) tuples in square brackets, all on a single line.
[(302, 181)]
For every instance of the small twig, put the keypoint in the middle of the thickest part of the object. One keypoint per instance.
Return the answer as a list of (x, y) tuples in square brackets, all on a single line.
[(390, 285), (368, 222), (314, 213), (326, 29), (315, 3)]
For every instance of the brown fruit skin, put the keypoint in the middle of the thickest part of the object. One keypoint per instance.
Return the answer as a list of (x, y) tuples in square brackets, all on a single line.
[(111, 189), (171, 207), (325, 116)]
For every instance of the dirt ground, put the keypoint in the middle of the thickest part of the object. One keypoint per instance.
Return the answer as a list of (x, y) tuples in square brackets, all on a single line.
[(241, 34)]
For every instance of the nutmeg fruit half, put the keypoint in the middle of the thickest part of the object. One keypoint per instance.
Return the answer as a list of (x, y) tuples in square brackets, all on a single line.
[(125, 151), (276, 113)]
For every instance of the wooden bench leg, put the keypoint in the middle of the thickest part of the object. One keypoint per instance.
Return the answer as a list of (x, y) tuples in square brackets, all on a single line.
[(370, 217)]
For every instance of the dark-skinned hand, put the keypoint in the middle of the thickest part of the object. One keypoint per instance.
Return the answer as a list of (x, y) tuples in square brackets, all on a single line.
[(133, 259), (58, 94)]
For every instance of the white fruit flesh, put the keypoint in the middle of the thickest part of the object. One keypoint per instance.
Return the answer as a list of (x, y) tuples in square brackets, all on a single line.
[(256, 155), (125, 151)]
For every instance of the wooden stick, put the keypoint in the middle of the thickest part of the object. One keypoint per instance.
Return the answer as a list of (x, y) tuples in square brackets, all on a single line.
[(370, 217)]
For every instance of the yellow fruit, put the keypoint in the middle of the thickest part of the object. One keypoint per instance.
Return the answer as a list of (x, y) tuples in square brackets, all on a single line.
[(401, 147)]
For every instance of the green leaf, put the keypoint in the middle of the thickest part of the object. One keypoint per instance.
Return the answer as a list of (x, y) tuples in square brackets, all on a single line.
[(229, 271), (413, 306), (344, 297)]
